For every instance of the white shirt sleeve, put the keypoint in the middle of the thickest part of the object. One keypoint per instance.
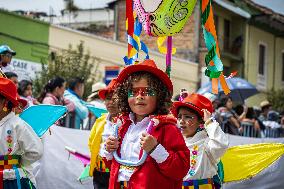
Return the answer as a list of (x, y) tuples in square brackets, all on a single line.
[(160, 154), (218, 141)]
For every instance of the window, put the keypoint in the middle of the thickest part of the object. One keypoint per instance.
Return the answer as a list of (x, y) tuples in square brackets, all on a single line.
[(262, 68), (227, 26), (283, 66), (261, 59), (216, 22)]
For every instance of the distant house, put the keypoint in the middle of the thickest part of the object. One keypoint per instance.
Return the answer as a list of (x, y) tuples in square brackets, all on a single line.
[(96, 18), (84, 17)]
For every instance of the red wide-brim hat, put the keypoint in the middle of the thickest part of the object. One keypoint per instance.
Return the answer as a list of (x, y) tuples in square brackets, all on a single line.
[(22, 101), (111, 86), (9, 90), (146, 66), (195, 102)]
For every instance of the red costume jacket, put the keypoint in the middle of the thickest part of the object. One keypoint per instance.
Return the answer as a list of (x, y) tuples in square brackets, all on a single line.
[(153, 175)]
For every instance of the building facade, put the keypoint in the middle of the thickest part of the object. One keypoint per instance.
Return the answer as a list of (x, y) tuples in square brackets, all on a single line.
[(34, 40)]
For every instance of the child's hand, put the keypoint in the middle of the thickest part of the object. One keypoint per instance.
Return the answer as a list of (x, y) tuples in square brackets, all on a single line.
[(148, 142), (207, 115), (112, 144), (35, 102)]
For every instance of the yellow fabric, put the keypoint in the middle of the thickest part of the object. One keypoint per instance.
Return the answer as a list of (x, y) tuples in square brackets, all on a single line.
[(203, 186), (242, 162), (13, 162), (206, 186), (95, 141), (162, 49)]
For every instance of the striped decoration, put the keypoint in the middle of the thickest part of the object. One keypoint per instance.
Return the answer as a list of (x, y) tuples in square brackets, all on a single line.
[(213, 62)]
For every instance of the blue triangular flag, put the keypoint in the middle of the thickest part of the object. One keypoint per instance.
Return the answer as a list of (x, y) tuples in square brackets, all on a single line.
[(43, 116), (96, 111)]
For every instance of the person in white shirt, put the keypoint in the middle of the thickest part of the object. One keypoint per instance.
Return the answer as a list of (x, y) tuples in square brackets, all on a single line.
[(19, 145), (204, 138), (6, 54)]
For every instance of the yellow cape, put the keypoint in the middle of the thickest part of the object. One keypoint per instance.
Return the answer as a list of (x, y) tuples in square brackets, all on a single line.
[(95, 141)]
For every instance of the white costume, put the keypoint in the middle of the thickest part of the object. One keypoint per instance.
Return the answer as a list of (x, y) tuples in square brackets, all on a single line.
[(18, 138), (206, 148)]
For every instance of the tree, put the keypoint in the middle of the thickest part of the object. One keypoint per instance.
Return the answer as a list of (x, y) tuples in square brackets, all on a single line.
[(276, 98), (68, 64), (71, 8)]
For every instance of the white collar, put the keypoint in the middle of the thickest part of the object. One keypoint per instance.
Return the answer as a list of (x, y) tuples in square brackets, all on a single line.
[(144, 121), (199, 135)]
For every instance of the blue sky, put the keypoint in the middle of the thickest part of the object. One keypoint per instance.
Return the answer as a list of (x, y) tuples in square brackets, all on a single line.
[(276, 5)]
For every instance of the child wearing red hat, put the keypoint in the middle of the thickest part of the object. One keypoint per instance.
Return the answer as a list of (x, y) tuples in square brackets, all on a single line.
[(19, 145), (204, 138), (102, 128), (154, 159)]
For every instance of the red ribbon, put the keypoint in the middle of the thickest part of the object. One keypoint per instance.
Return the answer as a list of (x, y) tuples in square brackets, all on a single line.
[(129, 17), (130, 20)]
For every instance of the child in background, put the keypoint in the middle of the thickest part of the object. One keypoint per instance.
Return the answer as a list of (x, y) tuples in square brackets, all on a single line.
[(53, 94), (18, 142), (144, 97), (25, 90), (204, 138), (101, 130)]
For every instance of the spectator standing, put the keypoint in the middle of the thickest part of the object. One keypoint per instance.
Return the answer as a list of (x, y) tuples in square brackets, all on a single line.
[(74, 93)]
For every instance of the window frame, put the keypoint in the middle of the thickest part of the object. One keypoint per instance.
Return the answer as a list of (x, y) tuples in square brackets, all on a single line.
[(262, 78)]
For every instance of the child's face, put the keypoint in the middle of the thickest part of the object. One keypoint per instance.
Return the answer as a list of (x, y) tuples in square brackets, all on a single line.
[(15, 80), (141, 98), (60, 90), (28, 91), (188, 122), (109, 102)]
